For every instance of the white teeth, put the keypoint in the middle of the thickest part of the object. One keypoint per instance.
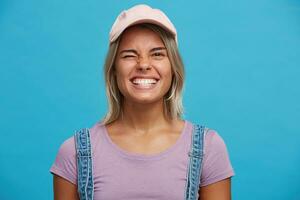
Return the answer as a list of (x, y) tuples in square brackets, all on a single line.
[(144, 81)]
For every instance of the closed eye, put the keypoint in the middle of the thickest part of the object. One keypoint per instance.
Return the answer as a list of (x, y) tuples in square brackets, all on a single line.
[(128, 53)]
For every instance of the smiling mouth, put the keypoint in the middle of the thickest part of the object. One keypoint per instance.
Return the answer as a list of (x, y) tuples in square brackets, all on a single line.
[(144, 83)]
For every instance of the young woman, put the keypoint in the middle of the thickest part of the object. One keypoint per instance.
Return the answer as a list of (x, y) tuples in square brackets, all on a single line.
[(141, 149)]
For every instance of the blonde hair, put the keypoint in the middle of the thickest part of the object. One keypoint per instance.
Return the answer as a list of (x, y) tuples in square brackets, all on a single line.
[(173, 99)]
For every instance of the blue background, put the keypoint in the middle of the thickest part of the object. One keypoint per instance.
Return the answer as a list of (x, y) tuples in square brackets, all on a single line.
[(242, 62)]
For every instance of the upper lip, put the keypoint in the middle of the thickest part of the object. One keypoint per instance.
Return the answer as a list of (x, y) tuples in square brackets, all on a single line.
[(144, 77)]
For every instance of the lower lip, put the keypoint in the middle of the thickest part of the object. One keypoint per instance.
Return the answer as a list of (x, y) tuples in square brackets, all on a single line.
[(144, 87)]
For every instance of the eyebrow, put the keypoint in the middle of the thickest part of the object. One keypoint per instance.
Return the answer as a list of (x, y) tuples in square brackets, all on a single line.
[(129, 51), (135, 52), (157, 49)]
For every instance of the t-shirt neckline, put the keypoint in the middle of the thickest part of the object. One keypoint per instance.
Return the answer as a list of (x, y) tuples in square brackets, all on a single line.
[(139, 156)]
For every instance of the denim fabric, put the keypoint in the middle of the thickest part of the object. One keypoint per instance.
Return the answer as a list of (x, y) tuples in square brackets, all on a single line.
[(84, 165), (195, 164)]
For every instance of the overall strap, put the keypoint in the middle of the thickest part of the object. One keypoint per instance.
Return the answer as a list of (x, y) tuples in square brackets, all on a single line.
[(85, 183), (195, 163)]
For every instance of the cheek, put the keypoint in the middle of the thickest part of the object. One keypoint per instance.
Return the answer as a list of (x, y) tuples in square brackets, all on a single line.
[(121, 75), (123, 69), (120, 71), (166, 72)]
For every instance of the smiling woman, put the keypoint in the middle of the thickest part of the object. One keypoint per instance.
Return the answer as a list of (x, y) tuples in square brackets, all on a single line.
[(143, 149), (167, 51), (143, 70)]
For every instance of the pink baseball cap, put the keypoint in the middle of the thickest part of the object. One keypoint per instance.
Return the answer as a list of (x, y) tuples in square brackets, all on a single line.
[(140, 14)]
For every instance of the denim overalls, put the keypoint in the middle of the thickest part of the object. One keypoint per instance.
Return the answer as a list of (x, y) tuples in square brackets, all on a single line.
[(85, 174)]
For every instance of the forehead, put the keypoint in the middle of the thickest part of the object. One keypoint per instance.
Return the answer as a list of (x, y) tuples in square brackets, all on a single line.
[(140, 37)]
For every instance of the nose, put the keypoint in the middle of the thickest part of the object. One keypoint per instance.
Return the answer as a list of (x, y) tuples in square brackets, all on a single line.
[(144, 63)]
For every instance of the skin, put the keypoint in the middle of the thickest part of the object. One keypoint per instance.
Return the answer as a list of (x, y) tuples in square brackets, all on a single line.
[(63, 189), (145, 128)]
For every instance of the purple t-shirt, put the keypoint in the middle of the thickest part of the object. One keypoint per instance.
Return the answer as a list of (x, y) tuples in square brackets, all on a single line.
[(119, 174)]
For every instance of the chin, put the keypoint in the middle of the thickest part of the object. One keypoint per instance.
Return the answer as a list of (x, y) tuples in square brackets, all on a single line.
[(145, 100)]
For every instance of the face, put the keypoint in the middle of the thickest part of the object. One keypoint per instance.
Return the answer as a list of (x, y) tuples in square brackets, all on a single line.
[(142, 67)]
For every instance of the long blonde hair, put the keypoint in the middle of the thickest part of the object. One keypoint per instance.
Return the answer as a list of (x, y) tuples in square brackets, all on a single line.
[(173, 99)]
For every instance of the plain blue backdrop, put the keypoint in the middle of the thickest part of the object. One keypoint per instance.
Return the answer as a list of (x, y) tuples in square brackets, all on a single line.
[(242, 62)]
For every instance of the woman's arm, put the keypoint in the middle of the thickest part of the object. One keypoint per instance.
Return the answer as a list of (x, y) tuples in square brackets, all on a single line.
[(217, 191), (64, 189)]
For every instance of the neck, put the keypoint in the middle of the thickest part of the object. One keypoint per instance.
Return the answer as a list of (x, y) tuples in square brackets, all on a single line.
[(144, 117)]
